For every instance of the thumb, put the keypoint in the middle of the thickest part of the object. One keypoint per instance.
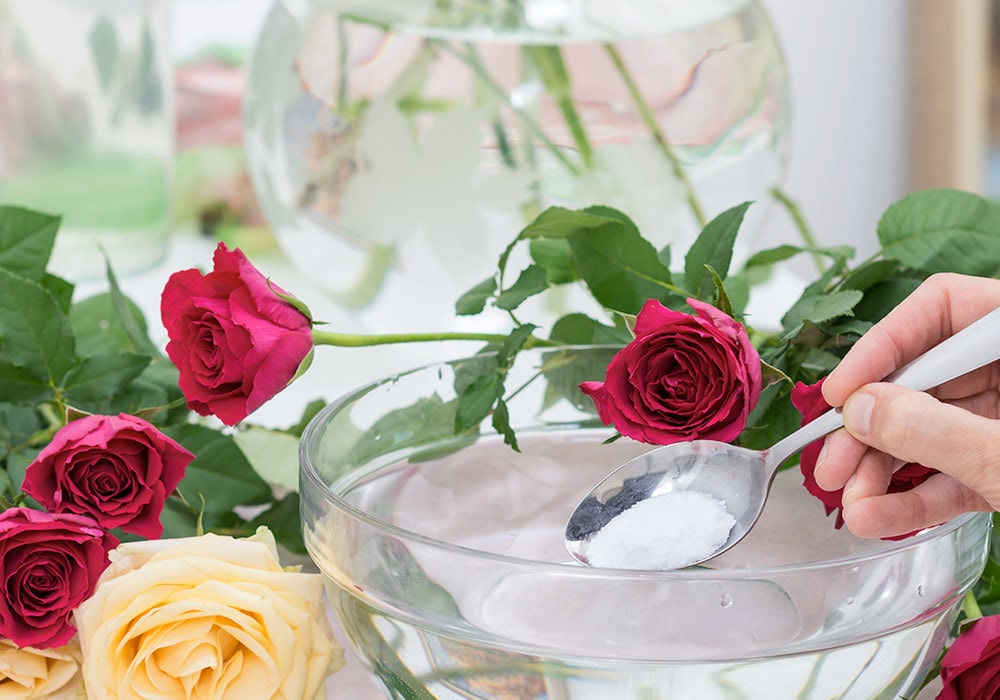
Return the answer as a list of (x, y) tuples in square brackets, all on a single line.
[(915, 427)]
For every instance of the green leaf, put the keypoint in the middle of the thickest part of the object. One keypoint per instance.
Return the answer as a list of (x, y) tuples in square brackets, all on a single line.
[(533, 280), (772, 418), (310, 411), (513, 343), (580, 329), (62, 290), (476, 401), (133, 324), (943, 231), (274, 454), (35, 332), (26, 240), (101, 376), (22, 388), (819, 308), (425, 421), (474, 300), (722, 301), (564, 370), (714, 248), (220, 471), (870, 274), (282, 519), (819, 361), (98, 326), (501, 423), (558, 222), (556, 258), (774, 255), (17, 467), (620, 267), (882, 298)]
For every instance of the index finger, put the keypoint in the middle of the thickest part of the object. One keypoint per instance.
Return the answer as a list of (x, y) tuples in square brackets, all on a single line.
[(942, 305)]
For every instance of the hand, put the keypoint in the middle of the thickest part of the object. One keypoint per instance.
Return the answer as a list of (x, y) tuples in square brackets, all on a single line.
[(952, 428)]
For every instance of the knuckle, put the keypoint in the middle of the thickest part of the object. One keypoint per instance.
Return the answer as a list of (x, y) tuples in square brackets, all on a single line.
[(900, 423)]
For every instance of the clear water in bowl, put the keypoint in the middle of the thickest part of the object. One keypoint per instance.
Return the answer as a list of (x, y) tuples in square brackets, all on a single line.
[(515, 618)]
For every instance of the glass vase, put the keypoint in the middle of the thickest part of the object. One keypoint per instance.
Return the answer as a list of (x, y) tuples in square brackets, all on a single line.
[(397, 147)]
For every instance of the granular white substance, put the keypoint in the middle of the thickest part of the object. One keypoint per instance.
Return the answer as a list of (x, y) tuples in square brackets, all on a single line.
[(668, 531)]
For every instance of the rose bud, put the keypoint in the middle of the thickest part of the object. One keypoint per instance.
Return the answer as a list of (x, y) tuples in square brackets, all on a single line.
[(683, 377)]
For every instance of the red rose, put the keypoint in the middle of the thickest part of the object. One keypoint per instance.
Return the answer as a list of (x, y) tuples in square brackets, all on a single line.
[(235, 342), (683, 377), (808, 399), (49, 564), (971, 666), (117, 470)]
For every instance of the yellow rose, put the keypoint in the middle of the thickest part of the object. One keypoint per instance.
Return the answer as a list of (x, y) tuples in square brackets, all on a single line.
[(28, 673), (205, 618)]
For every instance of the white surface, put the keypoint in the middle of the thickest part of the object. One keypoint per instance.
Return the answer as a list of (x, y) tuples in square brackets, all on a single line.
[(848, 65)]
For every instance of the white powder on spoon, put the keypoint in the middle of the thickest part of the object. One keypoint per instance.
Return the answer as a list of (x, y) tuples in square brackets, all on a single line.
[(668, 531)]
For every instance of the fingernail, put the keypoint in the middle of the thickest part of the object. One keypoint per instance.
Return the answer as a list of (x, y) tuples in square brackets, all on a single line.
[(858, 413), (849, 486)]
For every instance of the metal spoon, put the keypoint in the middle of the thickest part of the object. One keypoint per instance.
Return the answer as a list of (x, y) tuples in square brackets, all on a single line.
[(741, 478)]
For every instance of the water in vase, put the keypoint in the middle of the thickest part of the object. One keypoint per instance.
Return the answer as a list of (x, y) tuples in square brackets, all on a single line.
[(401, 146)]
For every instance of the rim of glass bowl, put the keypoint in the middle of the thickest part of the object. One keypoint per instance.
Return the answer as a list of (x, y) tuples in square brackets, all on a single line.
[(308, 472)]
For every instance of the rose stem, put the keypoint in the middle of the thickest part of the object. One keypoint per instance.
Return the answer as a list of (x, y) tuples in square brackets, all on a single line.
[(800, 223), (353, 340), (650, 120)]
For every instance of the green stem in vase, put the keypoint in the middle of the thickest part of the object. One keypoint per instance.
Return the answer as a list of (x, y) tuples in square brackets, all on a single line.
[(650, 120), (800, 223), (487, 81), (552, 69)]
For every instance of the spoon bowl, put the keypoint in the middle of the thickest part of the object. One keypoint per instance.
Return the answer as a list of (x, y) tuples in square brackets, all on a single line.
[(740, 478)]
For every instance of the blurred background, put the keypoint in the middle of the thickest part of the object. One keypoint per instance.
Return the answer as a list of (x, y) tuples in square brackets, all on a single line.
[(867, 102)]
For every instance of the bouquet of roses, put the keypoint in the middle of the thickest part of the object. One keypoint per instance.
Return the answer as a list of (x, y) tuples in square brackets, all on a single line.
[(109, 585), (103, 438)]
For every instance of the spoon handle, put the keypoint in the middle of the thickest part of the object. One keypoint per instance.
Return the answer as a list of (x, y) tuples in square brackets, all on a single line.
[(972, 347)]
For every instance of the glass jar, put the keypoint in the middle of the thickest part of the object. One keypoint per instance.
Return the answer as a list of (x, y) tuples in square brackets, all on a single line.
[(397, 147)]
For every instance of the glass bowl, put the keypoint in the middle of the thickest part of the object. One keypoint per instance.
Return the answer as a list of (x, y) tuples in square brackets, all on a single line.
[(443, 555)]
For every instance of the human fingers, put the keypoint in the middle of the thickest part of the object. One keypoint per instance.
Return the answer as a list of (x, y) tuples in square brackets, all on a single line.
[(915, 427), (934, 501), (942, 305), (838, 460), (842, 452), (871, 478)]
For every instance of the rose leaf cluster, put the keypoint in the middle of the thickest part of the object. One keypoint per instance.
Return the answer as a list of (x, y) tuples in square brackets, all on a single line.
[(98, 409)]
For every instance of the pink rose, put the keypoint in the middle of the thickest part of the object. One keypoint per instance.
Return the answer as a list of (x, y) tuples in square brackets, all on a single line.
[(235, 342), (117, 470), (971, 666), (808, 399), (49, 564), (683, 377)]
